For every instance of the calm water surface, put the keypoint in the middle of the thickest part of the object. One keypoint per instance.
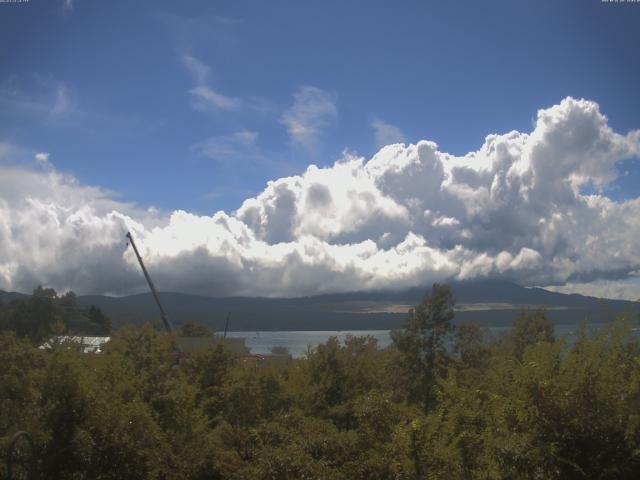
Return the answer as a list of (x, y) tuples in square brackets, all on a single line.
[(298, 342)]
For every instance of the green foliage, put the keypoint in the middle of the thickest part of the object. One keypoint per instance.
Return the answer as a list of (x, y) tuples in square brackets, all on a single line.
[(438, 403), (470, 345), (422, 357), (45, 314), (529, 328), (98, 323), (36, 318), (194, 329), (279, 350)]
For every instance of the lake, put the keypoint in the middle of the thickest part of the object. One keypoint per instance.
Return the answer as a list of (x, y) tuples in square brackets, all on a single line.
[(298, 342)]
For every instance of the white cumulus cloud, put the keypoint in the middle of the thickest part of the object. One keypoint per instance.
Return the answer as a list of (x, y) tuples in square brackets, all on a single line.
[(411, 214)]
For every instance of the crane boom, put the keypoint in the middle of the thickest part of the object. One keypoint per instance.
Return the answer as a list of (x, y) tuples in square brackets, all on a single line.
[(165, 319), (226, 325)]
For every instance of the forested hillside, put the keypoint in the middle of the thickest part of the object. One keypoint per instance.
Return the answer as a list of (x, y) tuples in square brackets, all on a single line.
[(488, 302), (45, 313), (522, 405)]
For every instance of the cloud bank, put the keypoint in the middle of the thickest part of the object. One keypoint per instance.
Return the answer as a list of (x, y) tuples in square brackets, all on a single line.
[(412, 214)]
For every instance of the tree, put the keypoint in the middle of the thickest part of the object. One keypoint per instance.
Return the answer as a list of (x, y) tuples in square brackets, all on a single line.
[(420, 344), (35, 318), (69, 300), (470, 345), (280, 350), (42, 292), (194, 329), (99, 323), (529, 328)]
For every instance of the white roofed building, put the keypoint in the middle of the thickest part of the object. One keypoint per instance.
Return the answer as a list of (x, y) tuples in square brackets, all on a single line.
[(84, 344)]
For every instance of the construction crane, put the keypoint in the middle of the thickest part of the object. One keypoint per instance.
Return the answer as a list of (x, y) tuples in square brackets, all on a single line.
[(165, 320), (226, 325)]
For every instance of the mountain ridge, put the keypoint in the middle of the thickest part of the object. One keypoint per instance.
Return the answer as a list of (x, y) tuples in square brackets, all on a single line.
[(489, 302)]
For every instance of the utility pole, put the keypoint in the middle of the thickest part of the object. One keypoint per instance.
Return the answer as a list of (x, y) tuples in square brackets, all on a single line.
[(165, 319)]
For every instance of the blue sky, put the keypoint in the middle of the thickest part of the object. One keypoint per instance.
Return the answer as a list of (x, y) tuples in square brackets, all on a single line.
[(195, 106), (451, 72)]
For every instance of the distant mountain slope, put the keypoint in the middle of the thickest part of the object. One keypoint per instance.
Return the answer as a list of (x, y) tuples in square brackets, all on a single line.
[(490, 302), (6, 297), (354, 311)]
